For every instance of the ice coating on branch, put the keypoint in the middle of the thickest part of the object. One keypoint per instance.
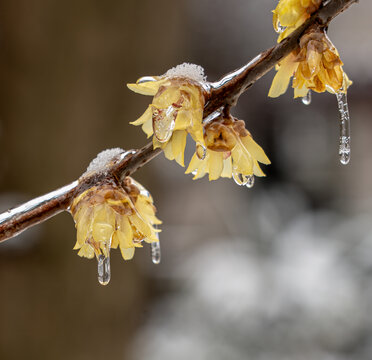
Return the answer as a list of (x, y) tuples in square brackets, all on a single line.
[(103, 159), (192, 71)]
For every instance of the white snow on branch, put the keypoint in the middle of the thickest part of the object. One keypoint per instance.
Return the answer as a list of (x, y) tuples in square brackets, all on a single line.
[(192, 71), (103, 159)]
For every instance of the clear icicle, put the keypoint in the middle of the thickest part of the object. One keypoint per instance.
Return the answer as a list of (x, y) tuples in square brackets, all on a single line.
[(155, 252), (344, 146), (250, 182), (104, 271), (240, 179), (306, 100)]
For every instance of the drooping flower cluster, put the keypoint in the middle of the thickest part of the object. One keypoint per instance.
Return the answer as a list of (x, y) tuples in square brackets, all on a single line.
[(290, 14), (230, 152), (316, 66), (176, 110), (224, 147), (110, 215)]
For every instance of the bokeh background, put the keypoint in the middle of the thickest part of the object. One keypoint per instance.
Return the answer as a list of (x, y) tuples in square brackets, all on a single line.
[(280, 271)]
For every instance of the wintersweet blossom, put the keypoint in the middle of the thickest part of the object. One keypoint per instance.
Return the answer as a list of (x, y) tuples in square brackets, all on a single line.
[(110, 215), (230, 152), (315, 66), (290, 14), (176, 110)]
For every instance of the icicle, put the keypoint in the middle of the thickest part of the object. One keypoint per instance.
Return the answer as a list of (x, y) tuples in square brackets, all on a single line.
[(163, 122), (155, 252), (200, 151), (306, 100), (240, 179), (104, 271), (344, 146), (250, 182)]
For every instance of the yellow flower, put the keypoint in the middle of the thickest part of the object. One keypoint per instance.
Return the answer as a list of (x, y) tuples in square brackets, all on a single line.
[(316, 66), (176, 110), (290, 14), (109, 215), (230, 151)]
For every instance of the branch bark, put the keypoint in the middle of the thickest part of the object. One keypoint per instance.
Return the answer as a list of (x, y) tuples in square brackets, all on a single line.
[(223, 93)]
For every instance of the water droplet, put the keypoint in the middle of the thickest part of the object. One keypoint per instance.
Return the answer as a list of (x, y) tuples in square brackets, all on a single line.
[(344, 145), (155, 252), (163, 122), (250, 182), (279, 27), (306, 100), (240, 179), (201, 151), (104, 271), (144, 79)]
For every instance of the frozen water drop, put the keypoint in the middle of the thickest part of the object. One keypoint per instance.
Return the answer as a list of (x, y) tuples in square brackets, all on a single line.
[(104, 271), (344, 144), (279, 27), (306, 100), (250, 182), (155, 252), (201, 151), (145, 79), (240, 179), (163, 122)]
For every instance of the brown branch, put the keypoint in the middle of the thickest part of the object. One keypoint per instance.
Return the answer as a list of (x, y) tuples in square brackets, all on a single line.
[(223, 93)]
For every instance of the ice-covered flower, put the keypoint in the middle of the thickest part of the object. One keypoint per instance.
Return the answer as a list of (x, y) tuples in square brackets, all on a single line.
[(111, 215), (230, 151), (175, 111), (316, 66), (290, 14)]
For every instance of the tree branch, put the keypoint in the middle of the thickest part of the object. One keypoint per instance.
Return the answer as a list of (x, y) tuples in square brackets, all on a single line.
[(222, 93)]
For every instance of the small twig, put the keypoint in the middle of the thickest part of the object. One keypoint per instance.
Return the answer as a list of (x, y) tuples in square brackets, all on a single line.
[(224, 92)]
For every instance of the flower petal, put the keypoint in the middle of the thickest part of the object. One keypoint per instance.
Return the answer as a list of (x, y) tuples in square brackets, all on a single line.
[(168, 150), (140, 225), (227, 168), (147, 115), (195, 162), (178, 146), (86, 251), (215, 164), (281, 80), (146, 88), (128, 253), (254, 149), (183, 120)]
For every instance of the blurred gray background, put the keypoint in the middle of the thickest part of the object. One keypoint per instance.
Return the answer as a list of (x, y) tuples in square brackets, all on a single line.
[(278, 272)]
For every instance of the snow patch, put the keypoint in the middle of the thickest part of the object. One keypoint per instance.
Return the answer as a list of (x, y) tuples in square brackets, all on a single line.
[(192, 71), (103, 159)]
